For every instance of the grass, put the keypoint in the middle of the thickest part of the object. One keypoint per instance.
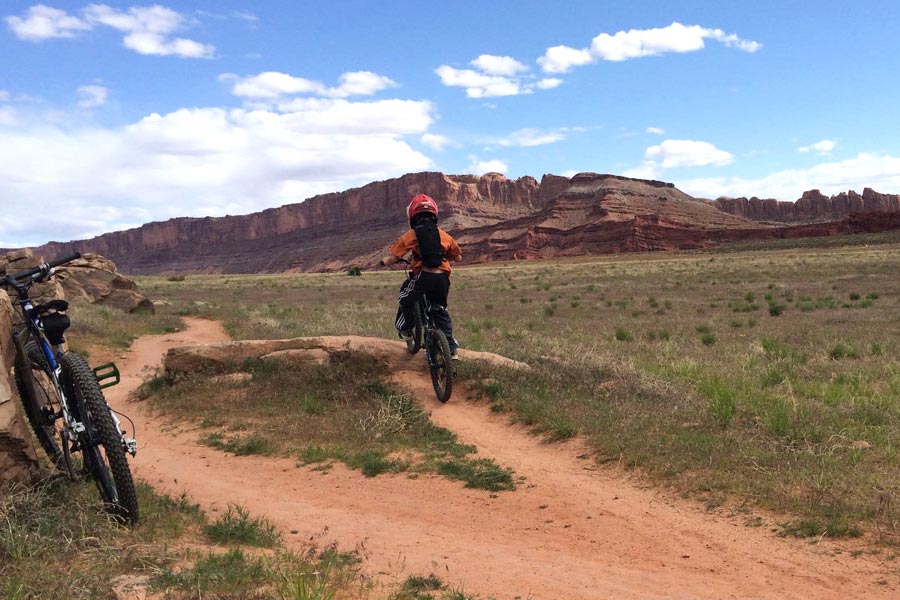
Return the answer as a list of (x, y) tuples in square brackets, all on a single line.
[(94, 325), (57, 542), (786, 398), (343, 411), (236, 526)]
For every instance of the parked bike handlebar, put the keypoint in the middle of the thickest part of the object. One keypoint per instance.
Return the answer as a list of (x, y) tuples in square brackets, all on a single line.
[(42, 268)]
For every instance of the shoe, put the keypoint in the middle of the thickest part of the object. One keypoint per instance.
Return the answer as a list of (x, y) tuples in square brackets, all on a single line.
[(406, 335), (454, 355)]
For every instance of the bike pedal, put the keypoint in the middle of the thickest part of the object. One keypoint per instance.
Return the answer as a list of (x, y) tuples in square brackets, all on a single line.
[(107, 375)]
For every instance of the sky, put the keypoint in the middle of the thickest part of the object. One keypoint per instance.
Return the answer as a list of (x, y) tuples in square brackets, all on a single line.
[(117, 114)]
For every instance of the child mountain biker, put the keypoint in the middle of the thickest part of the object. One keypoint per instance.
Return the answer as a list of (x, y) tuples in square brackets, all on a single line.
[(432, 248)]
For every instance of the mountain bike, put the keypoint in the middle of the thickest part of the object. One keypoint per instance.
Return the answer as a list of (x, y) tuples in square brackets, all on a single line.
[(63, 398), (432, 338)]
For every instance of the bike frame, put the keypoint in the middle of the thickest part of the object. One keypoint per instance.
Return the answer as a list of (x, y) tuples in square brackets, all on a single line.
[(34, 329)]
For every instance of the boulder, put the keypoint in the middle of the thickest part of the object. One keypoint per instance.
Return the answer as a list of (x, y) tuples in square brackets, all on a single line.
[(17, 261), (228, 356), (94, 278)]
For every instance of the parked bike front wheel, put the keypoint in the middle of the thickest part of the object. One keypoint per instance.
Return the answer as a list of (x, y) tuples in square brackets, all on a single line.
[(101, 442), (39, 399), (441, 364)]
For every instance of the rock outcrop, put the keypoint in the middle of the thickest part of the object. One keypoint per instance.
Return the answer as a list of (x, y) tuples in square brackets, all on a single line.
[(95, 279), (813, 206), (18, 459), (228, 357), (92, 278), (22, 260), (491, 216)]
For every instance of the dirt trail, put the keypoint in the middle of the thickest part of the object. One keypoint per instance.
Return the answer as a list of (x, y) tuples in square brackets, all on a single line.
[(570, 531)]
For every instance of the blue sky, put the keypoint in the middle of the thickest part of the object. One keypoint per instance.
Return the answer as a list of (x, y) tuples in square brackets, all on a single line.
[(119, 113)]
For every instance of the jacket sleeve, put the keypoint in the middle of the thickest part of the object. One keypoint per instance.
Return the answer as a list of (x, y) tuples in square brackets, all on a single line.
[(403, 245), (451, 248)]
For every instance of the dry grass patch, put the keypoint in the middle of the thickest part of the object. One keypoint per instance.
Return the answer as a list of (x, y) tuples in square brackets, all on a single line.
[(768, 375)]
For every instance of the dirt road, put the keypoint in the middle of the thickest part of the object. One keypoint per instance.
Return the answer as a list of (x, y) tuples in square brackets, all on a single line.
[(570, 531)]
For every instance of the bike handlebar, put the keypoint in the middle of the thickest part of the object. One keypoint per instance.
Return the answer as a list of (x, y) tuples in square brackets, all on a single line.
[(42, 268)]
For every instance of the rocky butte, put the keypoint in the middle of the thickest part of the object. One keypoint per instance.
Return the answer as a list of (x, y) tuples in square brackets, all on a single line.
[(493, 218)]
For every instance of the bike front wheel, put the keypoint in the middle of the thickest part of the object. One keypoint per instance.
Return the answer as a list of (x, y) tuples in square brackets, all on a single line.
[(441, 364), (101, 442), (39, 399), (413, 345)]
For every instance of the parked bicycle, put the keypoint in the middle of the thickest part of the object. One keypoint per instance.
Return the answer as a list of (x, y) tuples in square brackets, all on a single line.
[(63, 397), (437, 349)]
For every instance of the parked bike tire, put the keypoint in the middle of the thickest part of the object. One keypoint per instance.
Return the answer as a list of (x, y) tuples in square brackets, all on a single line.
[(415, 343), (38, 394), (441, 365), (109, 468)]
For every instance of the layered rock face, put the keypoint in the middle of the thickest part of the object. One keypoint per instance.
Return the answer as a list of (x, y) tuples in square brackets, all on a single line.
[(493, 218), (322, 232), (813, 206)]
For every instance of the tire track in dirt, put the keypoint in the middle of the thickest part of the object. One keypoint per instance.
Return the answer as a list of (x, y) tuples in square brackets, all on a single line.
[(571, 530)]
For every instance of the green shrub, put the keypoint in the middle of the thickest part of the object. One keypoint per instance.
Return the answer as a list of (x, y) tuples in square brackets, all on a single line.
[(623, 335)]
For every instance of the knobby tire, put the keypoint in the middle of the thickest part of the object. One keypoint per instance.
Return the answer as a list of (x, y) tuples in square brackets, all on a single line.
[(441, 365), (109, 468), (415, 343), (37, 392)]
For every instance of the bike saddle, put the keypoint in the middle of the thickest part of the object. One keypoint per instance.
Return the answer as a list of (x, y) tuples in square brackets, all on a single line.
[(54, 305)]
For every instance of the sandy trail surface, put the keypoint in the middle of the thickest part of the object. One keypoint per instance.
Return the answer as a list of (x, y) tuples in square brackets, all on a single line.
[(570, 530)]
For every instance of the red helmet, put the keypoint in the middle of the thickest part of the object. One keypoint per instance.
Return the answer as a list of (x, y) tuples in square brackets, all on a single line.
[(420, 204)]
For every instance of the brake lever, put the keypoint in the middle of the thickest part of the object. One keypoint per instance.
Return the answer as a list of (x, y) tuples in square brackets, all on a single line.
[(44, 275)]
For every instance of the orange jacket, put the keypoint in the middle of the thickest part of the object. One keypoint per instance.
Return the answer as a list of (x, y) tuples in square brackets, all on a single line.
[(408, 242)]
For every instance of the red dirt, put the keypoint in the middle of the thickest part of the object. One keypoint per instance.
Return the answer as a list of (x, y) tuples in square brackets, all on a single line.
[(571, 529)]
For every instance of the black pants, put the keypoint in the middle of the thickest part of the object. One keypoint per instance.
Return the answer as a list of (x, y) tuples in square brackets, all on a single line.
[(435, 287)]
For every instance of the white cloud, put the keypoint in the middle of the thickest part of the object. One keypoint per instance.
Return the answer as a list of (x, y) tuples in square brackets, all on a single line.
[(532, 137), (435, 141), (548, 83), (478, 85), (360, 83), (147, 29), (480, 167), (637, 43), (503, 66), (687, 153), (877, 171), (822, 147), (656, 130), (44, 22), (561, 59), (92, 96), (7, 115), (647, 170), (494, 76), (197, 162), (272, 85), (4, 95)]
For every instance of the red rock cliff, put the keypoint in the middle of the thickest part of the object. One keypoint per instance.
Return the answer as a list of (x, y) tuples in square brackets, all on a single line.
[(492, 217), (813, 206)]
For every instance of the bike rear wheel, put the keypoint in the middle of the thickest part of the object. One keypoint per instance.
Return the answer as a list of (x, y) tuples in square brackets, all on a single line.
[(441, 364), (39, 399), (101, 442)]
